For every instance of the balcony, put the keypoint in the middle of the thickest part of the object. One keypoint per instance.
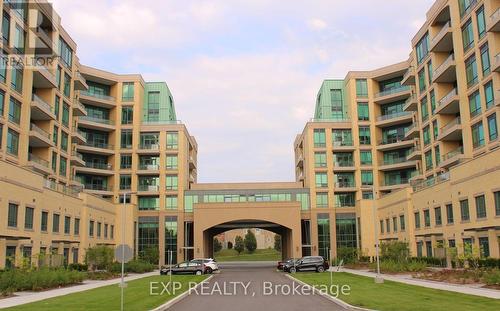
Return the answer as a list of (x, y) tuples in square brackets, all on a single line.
[(426, 183), (148, 169), (449, 104), (493, 24), (38, 164), (98, 100), (39, 137), (300, 160), (452, 158), (192, 179), (98, 189), (154, 189), (394, 143), (409, 77), (411, 104), (343, 166), (79, 109), (394, 118), (443, 41), (103, 169), (192, 162), (412, 132), (43, 78), (78, 136), (97, 148), (41, 110), (45, 37), (394, 94), (396, 164), (414, 153), (451, 131), (80, 82), (77, 159), (148, 148), (395, 184), (346, 186), (446, 72), (496, 63), (343, 145), (96, 123), (75, 182)]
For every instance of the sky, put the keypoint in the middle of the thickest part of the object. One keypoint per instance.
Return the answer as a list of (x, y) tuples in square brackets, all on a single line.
[(244, 73)]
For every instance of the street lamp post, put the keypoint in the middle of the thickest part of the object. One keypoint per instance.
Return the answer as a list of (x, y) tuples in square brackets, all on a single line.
[(378, 277), (123, 250)]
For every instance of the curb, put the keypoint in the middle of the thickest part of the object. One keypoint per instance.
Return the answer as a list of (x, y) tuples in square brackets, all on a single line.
[(337, 301), (175, 300)]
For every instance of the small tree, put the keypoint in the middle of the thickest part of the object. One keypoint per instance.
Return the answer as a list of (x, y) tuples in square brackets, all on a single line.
[(238, 244), (395, 250), (99, 257), (217, 245), (150, 254), (229, 245), (277, 242), (250, 241)]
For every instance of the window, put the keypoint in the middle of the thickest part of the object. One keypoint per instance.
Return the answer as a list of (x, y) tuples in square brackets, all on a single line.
[(422, 85), (55, 223), (58, 76), (337, 104), (16, 82), (427, 218), (417, 220), (319, 138), (125, 161), (467, 35), (435, 129), (76, 229), (437, 216), (394, 224), (128, 91), (474, 104), (366, 157), (363, 112), (127, 115), (364, 135), (481, 22), (321, 199), (429, 71), (433, 102), (342, 137), (319, 159), (62, 166), (67, 224), (422, 48), (126, 139), (361, 88), (64, 141), (67, 85), (477, 135), (345, 199), (480, 207), (172, 182), (172, 162), (381, 226), (99, 225), (2, 101), (12, 216), (387, 225), (171, 202), (14, 111), (56, 106), (367, 195), (172, 140), (149, 203), (427, 135), (367, 178), (12, 142), (91, 228), (402, 223), (471, 71), (5, 29), (65, 53), (28, 218), (437, 155), (428, 160), (153, 109), (449, 214), (485, 59), (484, 247), (464, 210), (424, 111), (19, 39), (65, 115), (321, 180), (489, 96), (105, 231), (44, 221), (496, 195), (125, 182), (492, 127), (3, 66)]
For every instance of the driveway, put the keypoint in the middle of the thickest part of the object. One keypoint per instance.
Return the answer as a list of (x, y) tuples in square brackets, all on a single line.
[(254, 286)]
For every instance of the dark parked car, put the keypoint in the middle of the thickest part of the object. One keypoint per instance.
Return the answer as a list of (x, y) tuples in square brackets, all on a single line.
[(308, 263), (184, 268), (281, 264)]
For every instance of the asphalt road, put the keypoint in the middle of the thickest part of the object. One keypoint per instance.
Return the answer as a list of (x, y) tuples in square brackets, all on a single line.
[(240, 286)]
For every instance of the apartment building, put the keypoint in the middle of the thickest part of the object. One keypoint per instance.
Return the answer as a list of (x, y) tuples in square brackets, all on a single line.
[(398, 147)]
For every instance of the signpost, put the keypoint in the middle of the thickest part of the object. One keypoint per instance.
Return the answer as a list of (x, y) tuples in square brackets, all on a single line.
[(123, 253)]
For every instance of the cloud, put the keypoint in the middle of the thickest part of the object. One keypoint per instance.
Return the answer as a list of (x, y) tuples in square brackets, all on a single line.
[(316, 24)]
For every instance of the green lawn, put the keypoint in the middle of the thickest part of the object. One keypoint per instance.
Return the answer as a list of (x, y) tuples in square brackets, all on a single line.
[(257, 255), (397, 296), (137, 296)]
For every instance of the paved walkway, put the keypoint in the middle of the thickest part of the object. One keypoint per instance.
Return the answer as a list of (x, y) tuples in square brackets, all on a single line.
[(28, 297), (408, 279)]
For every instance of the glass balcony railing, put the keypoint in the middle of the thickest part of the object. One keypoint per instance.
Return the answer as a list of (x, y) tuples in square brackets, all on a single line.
[(343, 143), (345, 184), (42, 103), (446, 28), (343, 163), (51, 184), (77, 155), (38, 160), (149, 146), (446, 99), (148, 188), (431, 181), (96, 144), (394, 115), (38, 130), (394, 182), (97, 187), (439, 70), (394, 161), (97, 120), (448, 126), (98, 165), (391, 140), (409, 72), (152, 167), (454, 153), (98, 96), (395, 90)]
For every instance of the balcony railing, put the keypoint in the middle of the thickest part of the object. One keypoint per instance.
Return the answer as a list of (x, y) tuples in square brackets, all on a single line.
[(148, 188), (401, 181), (78, 131), (50, 184), (409, 72), (345, 184), (38, 160), (38, 130), (394, 161), (97, 165), (431, 181), (445, 128), (158, 122), (343, 143), (149, 146), (42, 103), (100, 145), (445, 28), (97, 187), (343, 163), (412, 98), (394, 90), (454, 153), (414, 149), (439, 70), (394, 115), (447, 98), (391, 140), (153, 167), (97, 120), (77, 154), (343, 120), (99, 96), (42, 33), (79, 76)]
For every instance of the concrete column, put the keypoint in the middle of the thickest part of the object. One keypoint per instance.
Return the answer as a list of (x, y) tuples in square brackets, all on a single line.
[(492, 239), (296, 243), (2, 253)]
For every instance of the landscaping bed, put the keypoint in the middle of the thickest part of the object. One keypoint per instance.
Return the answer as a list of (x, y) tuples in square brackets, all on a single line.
[(489, 277)]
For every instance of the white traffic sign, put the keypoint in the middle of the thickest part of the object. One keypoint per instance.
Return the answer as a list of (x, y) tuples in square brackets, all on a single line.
[(123, 253)]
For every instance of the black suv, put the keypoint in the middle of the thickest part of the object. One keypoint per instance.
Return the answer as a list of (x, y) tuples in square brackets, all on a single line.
[(308, 263)]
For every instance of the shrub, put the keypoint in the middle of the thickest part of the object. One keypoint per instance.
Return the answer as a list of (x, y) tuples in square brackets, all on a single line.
[(78, 267), (277, 242), (250, 241), (347, 254), (395, 250), (101, 275), (238, 244), (489, 263), (364, 259), (150, 254), (431, 261), (393, 266), (217, 245), (133, 266), (492, 277), (35, 280), (99, 257)]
